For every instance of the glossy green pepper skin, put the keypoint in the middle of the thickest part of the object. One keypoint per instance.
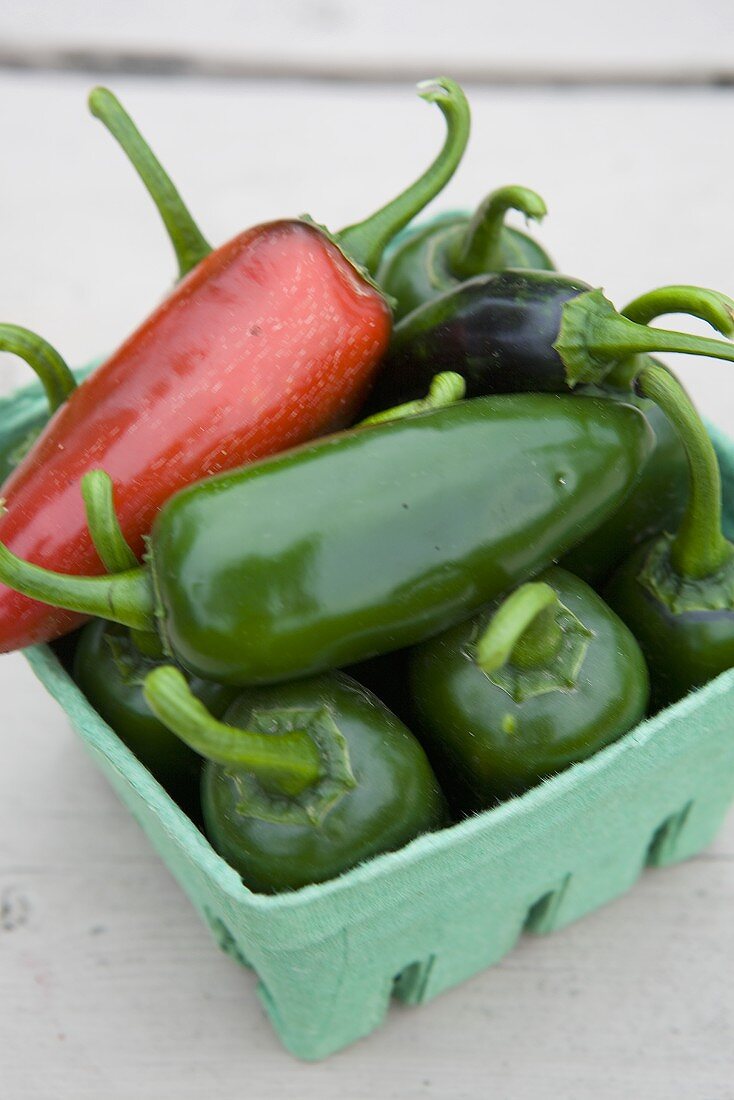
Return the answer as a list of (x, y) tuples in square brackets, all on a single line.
[(495, 745), (373, 540), (676, 592), (656, 501), (536, 331), (431, 259), (110, 670), (364, 542), (394, 795), (685, 649)]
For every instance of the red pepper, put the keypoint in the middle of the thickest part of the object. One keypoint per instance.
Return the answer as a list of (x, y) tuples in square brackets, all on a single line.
[(267, 342)]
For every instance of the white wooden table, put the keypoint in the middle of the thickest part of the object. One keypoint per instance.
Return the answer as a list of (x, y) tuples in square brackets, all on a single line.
[(109, 985)]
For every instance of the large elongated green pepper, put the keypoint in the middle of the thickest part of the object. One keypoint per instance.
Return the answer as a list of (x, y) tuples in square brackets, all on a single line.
[(367, 541)]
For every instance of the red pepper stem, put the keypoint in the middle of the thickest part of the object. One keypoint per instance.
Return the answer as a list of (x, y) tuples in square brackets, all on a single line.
[(523, 629), (445, 389), (709, 305), (481, 247), (364, 242), (125, 598), (53, 373), (594, 338), (699, 548), (188, 242), (288, 761)]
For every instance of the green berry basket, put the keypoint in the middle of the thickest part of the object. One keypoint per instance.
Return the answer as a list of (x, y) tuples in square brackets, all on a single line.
[(417, 921)]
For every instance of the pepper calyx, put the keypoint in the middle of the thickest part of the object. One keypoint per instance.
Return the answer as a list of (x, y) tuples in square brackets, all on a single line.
[(679, 593), (259, 799), (593, 338), (561, 673), (532, 644)]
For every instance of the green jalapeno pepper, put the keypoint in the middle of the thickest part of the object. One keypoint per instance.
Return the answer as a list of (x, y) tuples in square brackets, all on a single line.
[(111, 662), (527, 330), (676, 592), (657, 501), (367, 541), (110, 669), (436, 257), (303, 780), (542, 679)]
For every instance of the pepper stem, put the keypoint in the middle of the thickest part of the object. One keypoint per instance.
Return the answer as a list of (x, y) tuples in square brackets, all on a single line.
[(594, 338), (365, 241), (188, 242), (445, 389), (53, 373), (482, 246), (104, 528), (288, 761), (125, 598), (523, 630), (111, 545), (709, 305), (699, 548)]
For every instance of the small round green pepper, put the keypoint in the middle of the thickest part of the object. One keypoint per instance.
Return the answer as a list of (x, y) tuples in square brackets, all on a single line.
[(437, 256), (303, 780), (524, 689)]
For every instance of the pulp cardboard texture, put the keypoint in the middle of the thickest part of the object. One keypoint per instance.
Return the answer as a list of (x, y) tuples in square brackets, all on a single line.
[(414, 922)]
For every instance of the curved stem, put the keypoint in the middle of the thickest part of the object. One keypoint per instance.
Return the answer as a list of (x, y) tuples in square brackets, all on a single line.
[(699, 548), (104, 528), (53, 373), (365, 241), (594, 337), (188, 242), (445, 389), (481, 249), (710, 305), (125, 598), (290, 760), (111, 545), (522, 630)]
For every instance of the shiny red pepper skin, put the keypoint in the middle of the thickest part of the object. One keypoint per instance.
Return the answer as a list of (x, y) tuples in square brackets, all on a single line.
[(269, 341)]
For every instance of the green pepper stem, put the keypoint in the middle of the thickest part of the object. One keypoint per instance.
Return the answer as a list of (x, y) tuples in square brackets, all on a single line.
[(55, 377), (699, 547), (365, 241), (481, 246), (709, 305), (111, 545), (289, 761), (522, 630), (593, 338), (445, 389), (188, 242), (125, 598), (104, 528)]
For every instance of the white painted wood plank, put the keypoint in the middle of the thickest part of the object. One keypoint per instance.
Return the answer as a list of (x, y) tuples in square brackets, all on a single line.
[(569, 39), (109, 985)]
